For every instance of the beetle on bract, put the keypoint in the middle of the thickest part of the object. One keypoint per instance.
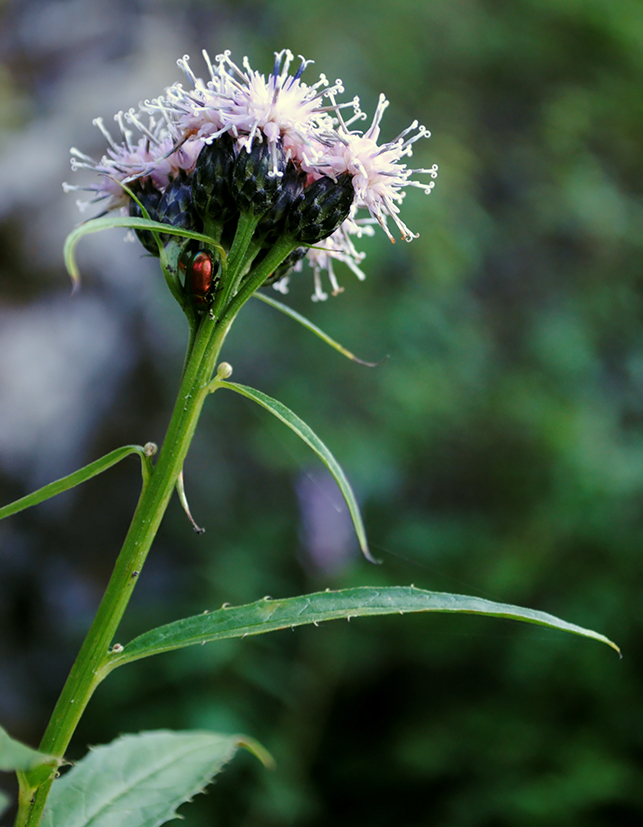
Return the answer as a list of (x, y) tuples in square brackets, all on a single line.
[(201, 278)]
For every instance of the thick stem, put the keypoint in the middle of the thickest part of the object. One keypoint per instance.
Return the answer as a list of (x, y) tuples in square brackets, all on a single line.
[(84, 676)]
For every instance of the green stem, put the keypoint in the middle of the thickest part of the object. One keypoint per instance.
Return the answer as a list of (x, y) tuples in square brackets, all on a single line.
[(85, 673), (246, 226), (206, 338), (258, 275)]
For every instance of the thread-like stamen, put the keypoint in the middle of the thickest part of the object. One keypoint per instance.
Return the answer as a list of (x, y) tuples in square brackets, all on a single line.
[(184, 64), (99, 123), (131, 117)]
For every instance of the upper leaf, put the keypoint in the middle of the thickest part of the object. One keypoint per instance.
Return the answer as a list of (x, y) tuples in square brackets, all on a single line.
[(306, 433), (80, 476), (268, 615), (138, 780), (19, 757), (95, 225), (293, 314)]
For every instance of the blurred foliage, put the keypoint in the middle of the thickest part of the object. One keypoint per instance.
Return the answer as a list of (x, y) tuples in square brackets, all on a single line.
[(498, 451)]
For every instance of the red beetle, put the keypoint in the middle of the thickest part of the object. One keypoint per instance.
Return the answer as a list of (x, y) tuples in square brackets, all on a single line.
[(200, 279)]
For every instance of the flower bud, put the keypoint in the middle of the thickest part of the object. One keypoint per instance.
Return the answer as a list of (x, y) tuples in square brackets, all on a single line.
[(320, 209), (255, 186), (224, 371), (212, 178), (173, 207), (149, 198), (272, 225)]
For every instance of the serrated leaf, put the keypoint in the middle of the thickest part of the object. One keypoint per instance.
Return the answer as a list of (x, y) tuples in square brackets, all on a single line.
[(269, 615), (15, 756), (293, 314), (138, 780), (72, 480), (96, 225), (306, 433)]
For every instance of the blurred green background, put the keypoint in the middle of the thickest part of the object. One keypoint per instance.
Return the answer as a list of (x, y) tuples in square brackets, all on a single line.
[(497, 452)]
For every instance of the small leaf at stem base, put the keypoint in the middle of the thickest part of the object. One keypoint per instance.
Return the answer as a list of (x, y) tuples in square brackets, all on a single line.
[(19, 757)]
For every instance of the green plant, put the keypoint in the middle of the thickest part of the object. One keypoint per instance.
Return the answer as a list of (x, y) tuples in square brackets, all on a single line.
[(231, 185)]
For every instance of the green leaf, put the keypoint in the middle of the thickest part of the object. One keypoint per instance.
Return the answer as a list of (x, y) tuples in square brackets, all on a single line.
[(96, 225), (4, 802), (139, 780), (80, 476), (15, 756), (269, 615), (310, 438), (288, 311)]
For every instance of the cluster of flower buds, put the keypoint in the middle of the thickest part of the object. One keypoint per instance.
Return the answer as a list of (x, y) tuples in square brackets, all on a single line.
[(271, 149)]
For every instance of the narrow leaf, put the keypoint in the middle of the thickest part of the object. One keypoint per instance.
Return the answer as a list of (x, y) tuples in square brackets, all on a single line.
[(96, 225), (15, 756), (288, 311), (138, 780), (269, 615), (310, 438), (78, 477), (180, 490)]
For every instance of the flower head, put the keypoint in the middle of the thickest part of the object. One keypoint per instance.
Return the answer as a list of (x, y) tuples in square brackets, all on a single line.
[(272, 149)]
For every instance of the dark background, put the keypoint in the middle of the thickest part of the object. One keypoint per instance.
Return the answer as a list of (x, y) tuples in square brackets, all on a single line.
[(498, 451)]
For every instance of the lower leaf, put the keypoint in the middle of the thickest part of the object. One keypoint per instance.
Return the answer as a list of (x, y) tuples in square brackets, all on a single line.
[(80, 476), (139, 780)]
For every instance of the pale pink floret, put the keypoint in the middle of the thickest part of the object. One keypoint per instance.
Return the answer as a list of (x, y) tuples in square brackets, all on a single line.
[(281, 106), (378, 176), (151, 157), (279, 109), (168, 163), (196, 111)]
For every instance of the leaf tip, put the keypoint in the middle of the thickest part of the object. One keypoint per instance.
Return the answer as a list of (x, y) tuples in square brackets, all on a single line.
[(616, 648), (259, 751), (370, 364), (369, 556), (606, 640)]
